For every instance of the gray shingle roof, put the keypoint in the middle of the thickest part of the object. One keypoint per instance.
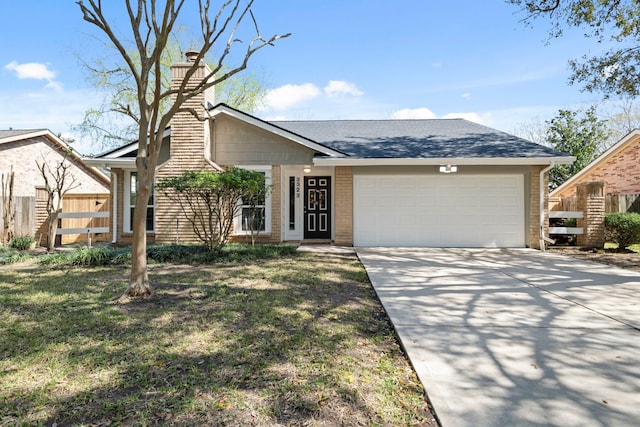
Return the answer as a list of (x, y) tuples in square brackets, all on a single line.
[(11, 133), (431, 138)]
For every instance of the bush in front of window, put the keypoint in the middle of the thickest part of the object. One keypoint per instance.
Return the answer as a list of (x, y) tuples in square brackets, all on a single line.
[(211, 201)]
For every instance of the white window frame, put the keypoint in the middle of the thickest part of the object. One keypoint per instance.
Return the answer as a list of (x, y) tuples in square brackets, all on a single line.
[(237, 221), (126, 205)]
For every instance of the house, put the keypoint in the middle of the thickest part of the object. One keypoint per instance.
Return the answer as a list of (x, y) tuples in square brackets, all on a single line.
[(19, 152), (618, 168), (442, 183)]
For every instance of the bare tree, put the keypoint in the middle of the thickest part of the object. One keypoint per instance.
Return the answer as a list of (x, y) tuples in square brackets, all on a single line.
[(58, 181), (8, 208), (623, 116), (106, 127), (151, 23)]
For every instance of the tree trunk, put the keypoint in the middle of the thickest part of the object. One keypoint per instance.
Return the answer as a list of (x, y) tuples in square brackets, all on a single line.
[(139, 285), (8, 208), (52, 227)]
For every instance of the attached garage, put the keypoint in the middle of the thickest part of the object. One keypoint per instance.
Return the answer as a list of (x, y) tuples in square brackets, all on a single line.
[(439, 210)]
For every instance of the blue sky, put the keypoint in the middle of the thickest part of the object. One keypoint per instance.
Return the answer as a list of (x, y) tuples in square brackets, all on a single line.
[(346, 59)]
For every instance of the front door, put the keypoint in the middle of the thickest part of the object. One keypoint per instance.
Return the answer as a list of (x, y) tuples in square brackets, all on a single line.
[(317, 207)]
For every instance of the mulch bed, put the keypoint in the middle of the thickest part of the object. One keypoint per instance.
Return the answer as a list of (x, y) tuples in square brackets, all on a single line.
[(628, 260)]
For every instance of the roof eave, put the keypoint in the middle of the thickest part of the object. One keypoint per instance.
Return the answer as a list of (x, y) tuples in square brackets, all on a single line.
[(481, 161), (26, 135), (122, 163)]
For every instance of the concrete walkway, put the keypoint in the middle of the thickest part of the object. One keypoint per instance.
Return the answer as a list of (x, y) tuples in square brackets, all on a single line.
[(515, 337)]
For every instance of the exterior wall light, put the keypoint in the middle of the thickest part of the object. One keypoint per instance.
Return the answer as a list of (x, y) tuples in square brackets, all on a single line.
[(306, 169), (449, 169)]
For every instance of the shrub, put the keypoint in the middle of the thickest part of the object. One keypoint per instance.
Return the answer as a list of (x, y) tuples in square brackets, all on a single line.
[(88, 257), (175, 253), (169, 254), (55, 259), (200, 254), (622, 228), (91, 257), (22, 243), (211, 200)]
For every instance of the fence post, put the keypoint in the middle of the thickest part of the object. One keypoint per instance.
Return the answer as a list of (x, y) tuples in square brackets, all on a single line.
[(591, 201)]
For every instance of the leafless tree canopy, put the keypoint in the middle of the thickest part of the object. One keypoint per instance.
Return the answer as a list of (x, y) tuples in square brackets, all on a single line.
[(151, 24), (58, 181)]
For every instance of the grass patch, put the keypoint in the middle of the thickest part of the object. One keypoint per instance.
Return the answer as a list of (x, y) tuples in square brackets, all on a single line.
[(286, 340), (10, 255)]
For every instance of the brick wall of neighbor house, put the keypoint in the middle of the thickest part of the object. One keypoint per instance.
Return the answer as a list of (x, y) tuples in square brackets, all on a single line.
[(534, 206), (344, 205), (620, 172), (23, 154), (41, 229)]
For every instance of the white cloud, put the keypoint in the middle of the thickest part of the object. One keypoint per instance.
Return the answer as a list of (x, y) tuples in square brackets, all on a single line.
[(49, 110), (483, 119), (31, 70), (465, 95), (425, 113), (288, 96), (36, 71), (415, 113), (337, 87)]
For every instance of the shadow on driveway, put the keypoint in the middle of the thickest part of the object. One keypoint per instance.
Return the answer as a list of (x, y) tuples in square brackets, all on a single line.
[(515, 337)]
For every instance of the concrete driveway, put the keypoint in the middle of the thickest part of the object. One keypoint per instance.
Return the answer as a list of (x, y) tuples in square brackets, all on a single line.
[(515, 337)]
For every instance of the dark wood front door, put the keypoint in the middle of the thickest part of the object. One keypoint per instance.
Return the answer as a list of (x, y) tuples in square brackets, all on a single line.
[(317, 207)]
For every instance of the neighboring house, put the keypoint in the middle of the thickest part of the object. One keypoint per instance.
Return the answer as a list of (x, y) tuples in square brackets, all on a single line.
[(21, 149), (618, 167), (441, 183)]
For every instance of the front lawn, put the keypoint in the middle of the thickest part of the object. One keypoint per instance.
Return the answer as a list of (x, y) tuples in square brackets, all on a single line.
[(294, 340)]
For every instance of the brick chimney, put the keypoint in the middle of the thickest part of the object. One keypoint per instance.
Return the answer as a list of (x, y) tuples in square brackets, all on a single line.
[(190, 136), (189, 150)]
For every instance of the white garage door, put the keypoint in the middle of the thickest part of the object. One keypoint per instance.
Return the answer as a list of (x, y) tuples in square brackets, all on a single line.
[(439, 210)]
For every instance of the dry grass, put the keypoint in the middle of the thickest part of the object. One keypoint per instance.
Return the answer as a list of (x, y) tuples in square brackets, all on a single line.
[(298, 340)]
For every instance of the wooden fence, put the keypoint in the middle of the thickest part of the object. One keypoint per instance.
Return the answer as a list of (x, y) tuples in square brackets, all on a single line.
[(24, 221), (81, 213), (613, 203)]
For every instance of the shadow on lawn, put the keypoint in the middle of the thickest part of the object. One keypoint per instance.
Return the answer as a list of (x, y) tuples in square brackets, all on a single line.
[(258, 344)]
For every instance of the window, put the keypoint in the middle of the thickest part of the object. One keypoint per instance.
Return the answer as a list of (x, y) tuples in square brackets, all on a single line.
[(253, 217), (292, 201), (131, 192), (257, 213)]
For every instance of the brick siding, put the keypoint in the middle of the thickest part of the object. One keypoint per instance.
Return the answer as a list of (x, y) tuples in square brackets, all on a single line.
[(534, 206), (344, 205), (24, 154), (590, 200), (620, 171)]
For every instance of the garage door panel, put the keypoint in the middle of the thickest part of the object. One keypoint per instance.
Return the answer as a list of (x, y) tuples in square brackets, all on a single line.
[(430, 210)]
